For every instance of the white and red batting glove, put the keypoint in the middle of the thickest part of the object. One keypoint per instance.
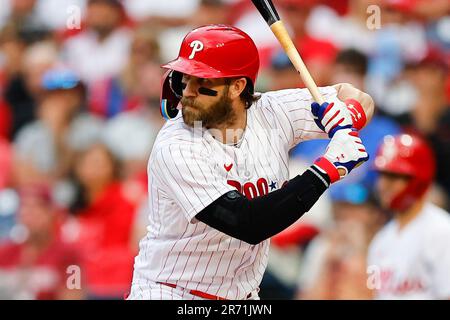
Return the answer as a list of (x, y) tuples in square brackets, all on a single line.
[(331, 117), (345, 151)]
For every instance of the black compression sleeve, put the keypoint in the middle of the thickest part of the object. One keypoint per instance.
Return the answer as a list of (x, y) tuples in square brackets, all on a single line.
[(261, 218)]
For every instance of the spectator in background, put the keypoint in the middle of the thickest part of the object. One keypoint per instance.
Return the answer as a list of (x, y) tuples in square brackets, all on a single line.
[(318, 54), (12, 47), (400, 40), (44, 148), (5, 163), (433, 10), (56, 12), (389, 34), (280, 74), (24, 17), (23, 88), (104, 218), (5, 120), (101, 50), (9, 201), (350, 66), (127, 91), (36, 265), (430, 115), (133, 102), (130, 136), (334, 266), (349, 31)]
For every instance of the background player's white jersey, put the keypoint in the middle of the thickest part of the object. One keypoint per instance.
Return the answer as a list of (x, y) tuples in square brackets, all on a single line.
[(190, 169), (414, 261)]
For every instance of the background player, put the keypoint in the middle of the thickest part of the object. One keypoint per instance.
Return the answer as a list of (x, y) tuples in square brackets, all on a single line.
[(409, 258), (218, 191)]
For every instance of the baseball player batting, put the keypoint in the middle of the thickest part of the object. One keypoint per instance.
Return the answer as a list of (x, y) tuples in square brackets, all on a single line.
[(218, 172), (409, 258)]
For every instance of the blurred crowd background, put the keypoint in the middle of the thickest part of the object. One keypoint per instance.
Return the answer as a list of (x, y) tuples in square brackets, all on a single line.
[(79, 111)]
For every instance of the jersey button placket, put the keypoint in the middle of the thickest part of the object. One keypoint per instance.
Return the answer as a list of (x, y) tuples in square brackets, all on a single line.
[(242, 164)]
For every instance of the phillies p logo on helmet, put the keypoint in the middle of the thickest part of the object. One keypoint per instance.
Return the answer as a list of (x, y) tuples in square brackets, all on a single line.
[(196, 46)]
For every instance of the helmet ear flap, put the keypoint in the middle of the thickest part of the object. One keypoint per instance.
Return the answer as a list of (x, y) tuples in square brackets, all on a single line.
[(406, 198), (171, 94), (175, 78)]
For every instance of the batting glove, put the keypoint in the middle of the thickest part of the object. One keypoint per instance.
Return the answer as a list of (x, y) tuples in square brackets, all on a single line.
[(331, 117), (345, 151)]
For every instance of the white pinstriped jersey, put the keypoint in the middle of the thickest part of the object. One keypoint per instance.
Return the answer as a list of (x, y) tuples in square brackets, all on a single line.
[(189, 169), (412, 262)]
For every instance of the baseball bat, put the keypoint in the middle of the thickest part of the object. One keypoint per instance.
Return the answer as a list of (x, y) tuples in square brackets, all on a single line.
[(270, 15)]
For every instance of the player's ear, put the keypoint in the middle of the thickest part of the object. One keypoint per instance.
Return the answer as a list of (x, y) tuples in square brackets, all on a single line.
[(236, 87)]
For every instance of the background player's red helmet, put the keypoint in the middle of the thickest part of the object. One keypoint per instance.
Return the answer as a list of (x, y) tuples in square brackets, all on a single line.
[(410, 156), (213, 51)]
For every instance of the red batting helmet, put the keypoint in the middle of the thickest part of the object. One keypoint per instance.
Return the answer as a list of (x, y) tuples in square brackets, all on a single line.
[(411, 156), (213, 51)]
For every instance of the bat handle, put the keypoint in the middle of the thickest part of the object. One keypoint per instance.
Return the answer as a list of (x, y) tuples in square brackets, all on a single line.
[(285, 40)]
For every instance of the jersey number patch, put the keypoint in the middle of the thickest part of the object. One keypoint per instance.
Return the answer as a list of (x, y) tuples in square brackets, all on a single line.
[(249, 189)]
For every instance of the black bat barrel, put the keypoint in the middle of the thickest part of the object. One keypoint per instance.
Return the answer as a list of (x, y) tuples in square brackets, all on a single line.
[(267, 10)]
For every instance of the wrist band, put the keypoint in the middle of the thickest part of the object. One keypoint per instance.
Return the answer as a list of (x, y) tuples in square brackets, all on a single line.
[(357, 112), (326, 166)]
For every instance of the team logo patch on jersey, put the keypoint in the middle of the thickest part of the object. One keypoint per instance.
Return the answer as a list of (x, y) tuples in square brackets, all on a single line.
[(196, 46)]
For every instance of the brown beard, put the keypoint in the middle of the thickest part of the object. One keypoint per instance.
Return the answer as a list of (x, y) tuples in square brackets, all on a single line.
[(217, 114)]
